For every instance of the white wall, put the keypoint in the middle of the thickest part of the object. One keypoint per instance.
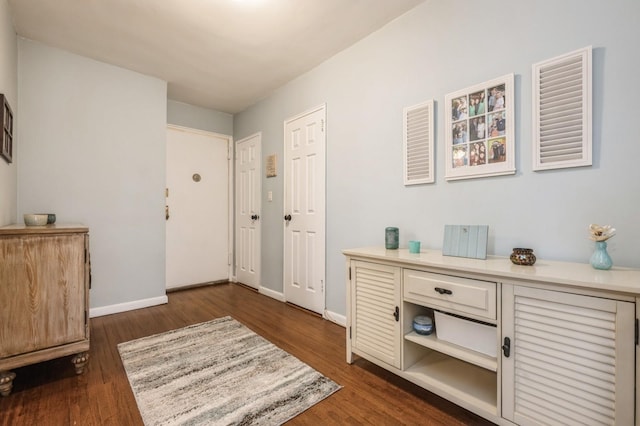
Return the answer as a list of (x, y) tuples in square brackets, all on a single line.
[(9, 87), (195, 117), (92, 150), (437, 48)]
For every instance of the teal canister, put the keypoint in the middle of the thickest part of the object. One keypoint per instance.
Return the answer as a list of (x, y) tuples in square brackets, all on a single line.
[(391, 238)]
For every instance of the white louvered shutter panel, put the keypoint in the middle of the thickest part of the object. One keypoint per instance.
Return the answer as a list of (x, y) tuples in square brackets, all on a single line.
[(562, 111), (418, 144), (572, 358), (377, 294)]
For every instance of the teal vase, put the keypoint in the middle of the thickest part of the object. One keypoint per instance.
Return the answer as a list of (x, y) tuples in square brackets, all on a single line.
[(600, 259)]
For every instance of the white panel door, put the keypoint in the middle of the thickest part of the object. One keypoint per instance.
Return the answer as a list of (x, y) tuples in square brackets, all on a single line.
[(304, 210), (248, 195), (197, 228)]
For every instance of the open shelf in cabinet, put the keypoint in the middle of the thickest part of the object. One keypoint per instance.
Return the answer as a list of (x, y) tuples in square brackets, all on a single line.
[(432, 342), (463, 381)]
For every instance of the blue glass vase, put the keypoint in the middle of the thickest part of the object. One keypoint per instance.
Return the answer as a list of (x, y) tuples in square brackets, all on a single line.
[(600, 259)]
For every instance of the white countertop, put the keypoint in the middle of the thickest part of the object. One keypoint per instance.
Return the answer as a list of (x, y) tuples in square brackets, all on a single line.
[(566, 273)]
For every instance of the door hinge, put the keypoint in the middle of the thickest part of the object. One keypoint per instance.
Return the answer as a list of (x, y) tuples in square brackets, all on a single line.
[(349, 332), (636, 331), (322, 124), (349, 273)]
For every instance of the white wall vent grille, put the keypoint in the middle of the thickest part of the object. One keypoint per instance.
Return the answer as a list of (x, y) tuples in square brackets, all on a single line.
[(562, 111), (418, 143)]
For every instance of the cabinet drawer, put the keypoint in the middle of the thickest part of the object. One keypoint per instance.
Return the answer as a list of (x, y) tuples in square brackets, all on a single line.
[(457, 295)]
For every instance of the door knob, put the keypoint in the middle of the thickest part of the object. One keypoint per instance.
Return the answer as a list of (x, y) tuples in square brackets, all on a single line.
[(287, 217), (255, 217)]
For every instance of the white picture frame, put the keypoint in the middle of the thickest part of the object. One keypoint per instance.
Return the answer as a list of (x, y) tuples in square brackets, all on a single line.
[(479, 130)]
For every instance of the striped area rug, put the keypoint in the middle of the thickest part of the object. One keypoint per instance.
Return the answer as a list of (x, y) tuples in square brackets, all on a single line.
[(219, 373)]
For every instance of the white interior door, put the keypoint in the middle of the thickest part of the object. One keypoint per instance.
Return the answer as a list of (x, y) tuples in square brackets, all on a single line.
[(197, 228), (248, 195), (304, 209)]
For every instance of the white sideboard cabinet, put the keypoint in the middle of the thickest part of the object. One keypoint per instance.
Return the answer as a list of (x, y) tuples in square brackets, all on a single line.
[(561, 337)]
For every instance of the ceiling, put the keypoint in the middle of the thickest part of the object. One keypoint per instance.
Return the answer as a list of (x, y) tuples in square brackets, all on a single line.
[(219, 54)]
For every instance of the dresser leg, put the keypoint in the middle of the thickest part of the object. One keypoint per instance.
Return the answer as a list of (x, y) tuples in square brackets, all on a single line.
[(79, 361), (6, 382)]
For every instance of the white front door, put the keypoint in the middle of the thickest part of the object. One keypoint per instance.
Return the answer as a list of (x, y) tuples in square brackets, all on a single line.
[(304, 209), (248, 194), (197, 228)]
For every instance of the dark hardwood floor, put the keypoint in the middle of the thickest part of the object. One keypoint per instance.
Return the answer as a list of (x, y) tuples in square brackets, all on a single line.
[(50, 393)]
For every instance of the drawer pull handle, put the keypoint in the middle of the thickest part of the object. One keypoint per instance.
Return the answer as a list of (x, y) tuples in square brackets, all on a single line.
[(443, 290)]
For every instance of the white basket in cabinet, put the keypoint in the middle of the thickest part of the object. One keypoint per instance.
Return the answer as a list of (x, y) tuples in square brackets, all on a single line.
[(468, 334)]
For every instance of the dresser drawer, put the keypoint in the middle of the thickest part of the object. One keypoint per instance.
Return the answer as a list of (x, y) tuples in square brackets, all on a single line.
[(457, 295)]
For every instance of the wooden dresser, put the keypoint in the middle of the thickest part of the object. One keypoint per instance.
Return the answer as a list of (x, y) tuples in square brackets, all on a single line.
[(44, 292)]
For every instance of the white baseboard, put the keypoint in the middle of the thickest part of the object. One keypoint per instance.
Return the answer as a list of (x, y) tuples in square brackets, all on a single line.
[(272, 294), (328, 315), (334, 317), (154, 301), (128, 306)]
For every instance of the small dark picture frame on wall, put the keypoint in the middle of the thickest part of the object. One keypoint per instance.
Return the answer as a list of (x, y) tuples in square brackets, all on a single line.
[(6, 138)]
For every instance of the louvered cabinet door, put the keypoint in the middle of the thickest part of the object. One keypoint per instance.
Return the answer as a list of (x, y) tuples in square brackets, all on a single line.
[(572, 358), (375, 299)]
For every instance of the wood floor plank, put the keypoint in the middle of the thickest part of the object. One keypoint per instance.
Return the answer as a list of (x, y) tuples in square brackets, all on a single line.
[(50, 393)]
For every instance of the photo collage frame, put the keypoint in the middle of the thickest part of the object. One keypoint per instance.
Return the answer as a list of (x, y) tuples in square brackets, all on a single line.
[(479, 130)]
